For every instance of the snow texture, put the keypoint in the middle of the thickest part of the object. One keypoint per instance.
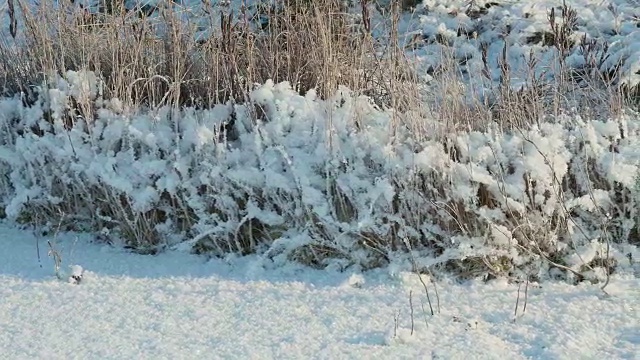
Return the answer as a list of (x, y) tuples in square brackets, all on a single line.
[(181, 306)]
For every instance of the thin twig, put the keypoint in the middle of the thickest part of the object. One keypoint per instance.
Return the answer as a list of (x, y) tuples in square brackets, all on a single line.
[(38, 251), (426, 291), (416, 270), (57, 259), (607, 257), (515, 311), (396, 320), (435, 289), (424, 314), (526, 296), (411, 309)]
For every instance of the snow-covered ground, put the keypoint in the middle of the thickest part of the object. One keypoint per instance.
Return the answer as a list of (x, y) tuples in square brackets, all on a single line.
[(182, 306)]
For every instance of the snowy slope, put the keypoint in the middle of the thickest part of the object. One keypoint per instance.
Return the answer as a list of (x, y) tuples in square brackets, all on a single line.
[(180, 306)]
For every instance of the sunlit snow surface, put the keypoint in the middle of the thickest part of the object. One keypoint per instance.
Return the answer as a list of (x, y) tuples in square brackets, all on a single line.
[(180, 306)]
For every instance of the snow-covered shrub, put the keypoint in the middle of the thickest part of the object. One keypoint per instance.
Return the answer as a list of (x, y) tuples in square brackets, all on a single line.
[(518, 202), (319, 181)]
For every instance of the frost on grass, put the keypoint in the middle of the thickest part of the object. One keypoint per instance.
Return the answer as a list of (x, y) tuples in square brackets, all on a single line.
[(324, 182), (602, 35)]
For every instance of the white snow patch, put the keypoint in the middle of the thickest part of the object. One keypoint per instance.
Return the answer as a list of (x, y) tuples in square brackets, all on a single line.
[(177, 305)]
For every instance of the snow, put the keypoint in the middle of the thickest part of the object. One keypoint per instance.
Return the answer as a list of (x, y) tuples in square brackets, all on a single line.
[(311, 175), (75, 275), (516, 23), (287, 172), (184, 306)]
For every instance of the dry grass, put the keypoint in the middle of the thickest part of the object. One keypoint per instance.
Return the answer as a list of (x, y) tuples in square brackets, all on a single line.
[(160, 59), (155, 58)]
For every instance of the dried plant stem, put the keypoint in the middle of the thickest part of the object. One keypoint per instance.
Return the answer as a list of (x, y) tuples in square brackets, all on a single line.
[(411, 309)]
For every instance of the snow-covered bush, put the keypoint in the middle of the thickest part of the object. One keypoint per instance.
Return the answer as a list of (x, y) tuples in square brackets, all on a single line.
[(321, 181)]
